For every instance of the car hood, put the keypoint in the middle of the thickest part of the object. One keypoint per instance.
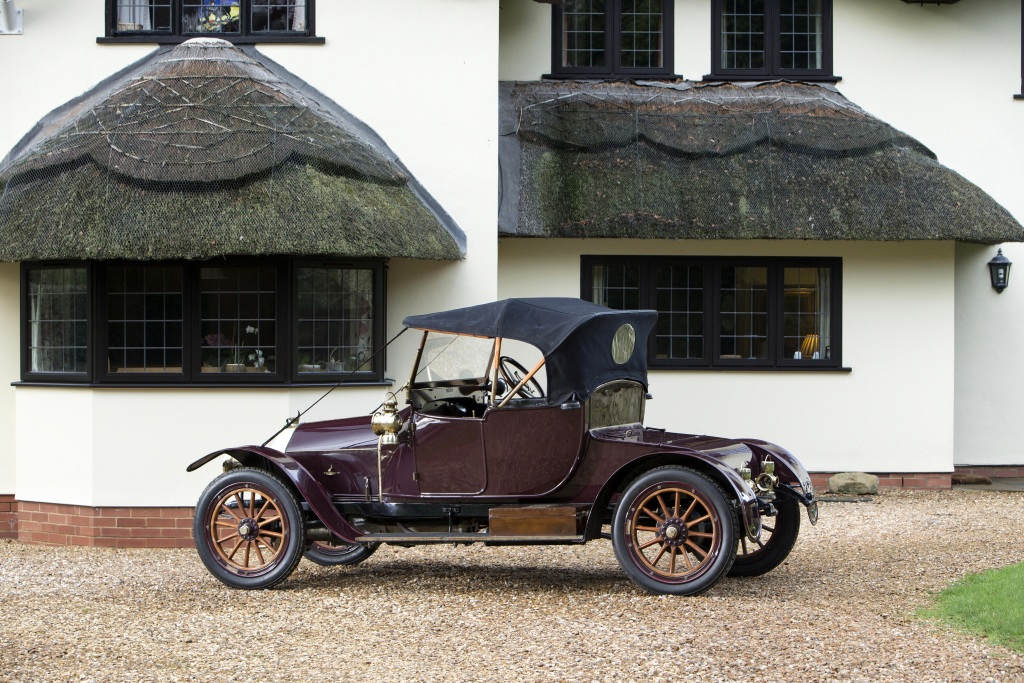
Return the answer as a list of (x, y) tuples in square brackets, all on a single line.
[(333, 435)]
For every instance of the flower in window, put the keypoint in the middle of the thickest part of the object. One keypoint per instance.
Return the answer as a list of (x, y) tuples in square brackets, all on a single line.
[(219, 15)]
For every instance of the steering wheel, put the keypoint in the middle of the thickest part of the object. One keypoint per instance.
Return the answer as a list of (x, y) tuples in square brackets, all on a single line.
[(513, 373)]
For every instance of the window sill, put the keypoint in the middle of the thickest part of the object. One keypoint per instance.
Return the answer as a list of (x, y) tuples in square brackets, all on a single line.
[(611, 77), (236, 40), (794, 78), (386, 382), (750, 368)]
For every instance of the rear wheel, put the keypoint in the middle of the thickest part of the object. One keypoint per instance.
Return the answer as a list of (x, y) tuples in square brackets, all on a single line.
[(248, 529), (778, 536), (674, 532)]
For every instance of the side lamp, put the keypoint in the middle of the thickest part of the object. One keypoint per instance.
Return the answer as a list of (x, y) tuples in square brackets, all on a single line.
[(999, 270), (10, 19)]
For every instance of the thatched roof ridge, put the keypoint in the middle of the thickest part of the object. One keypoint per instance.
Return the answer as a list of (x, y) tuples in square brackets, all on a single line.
[(757, 161), (205, 142)]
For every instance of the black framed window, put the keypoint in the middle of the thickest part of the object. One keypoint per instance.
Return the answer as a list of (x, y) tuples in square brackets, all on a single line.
[(236, 320), (55, 309), (239, 21), (744, 313), (144, 319), (754, 39), (334, 319), (628, 38)]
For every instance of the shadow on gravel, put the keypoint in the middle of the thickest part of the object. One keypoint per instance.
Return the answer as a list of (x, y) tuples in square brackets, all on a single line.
[(414, 577)]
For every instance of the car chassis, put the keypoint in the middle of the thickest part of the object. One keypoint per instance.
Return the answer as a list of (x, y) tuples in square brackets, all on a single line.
[(482, 453)]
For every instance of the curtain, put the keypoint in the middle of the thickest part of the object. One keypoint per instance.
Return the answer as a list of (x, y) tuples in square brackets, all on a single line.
[(134, 15)]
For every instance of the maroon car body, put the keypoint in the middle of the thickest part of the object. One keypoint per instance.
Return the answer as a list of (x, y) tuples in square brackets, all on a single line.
[(484, 452)]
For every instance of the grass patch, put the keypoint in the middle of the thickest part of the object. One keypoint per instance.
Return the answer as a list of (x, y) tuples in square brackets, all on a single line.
[(987, 604)]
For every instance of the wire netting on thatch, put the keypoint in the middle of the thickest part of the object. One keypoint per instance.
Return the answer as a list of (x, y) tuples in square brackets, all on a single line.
[(769, 161), (203, 151)]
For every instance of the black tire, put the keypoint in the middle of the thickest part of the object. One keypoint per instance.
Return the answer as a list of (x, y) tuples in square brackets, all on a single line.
[(778, 536), (674, 532), (339, 553), (248, 529)]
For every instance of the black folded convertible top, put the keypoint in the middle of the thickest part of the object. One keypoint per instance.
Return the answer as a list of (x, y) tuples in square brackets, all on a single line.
[(575, 337)]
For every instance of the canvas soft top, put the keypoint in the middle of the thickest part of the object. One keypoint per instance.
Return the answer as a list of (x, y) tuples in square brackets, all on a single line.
[(575, 337)]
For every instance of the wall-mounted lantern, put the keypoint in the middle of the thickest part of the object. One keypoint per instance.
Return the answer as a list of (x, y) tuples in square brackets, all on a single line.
[(999, 269), (10, 19)]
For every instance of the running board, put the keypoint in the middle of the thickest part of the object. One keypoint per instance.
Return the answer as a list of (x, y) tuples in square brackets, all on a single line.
[(464, 537)]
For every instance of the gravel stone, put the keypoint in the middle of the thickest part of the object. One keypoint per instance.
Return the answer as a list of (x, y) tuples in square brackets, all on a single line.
[(839, 609)]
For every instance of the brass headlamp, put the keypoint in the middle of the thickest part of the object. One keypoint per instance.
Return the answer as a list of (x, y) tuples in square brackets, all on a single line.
[(386, 422)]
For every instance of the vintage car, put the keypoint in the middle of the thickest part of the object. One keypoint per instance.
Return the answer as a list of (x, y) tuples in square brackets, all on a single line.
[(488, 451)]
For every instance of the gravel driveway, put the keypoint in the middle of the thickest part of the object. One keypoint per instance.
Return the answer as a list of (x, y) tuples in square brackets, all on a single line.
[(839, 610)]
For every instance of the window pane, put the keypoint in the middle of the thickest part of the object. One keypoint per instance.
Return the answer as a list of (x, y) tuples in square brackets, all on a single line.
[(807, 314), (144, 15), (641, 33), (800, 34), (334, 319), (57, 300), (233, 340), (278, 15), (583, 39), (144, 305), (616, 286), (211, 16), (679, 293), (743, 34), (743, 319)]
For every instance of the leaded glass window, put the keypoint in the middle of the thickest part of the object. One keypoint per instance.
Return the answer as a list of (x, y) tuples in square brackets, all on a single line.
[(613, 38)]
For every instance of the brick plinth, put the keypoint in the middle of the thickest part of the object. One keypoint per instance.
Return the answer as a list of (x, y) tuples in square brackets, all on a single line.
[(992, 471), (895, 480), (54, 524), (8, 517)]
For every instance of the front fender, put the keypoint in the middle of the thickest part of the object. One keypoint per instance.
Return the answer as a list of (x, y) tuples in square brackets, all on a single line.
[(309, 489), (787, 460), (745, 498)]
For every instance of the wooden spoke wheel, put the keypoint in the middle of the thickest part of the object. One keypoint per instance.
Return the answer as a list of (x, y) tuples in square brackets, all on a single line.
[(339, 553), (248, 529), (778, 536), (674, 532)]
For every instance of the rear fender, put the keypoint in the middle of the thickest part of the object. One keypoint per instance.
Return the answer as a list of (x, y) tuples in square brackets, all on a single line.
[(308, 488)]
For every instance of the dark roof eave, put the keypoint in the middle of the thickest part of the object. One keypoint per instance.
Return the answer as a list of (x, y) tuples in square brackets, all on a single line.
[(767, 161)]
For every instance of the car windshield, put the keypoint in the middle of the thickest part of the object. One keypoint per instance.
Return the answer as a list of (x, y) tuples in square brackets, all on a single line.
[(449, 357)]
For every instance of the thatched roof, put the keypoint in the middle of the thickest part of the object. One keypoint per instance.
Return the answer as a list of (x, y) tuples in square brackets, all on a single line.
[(205, 150), (765, 161)]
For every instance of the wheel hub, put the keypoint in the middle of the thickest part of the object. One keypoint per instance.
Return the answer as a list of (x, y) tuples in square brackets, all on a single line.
[(673, 532), (248, 529)]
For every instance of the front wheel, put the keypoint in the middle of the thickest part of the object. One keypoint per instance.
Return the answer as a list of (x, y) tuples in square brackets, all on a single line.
[(248, 529), (674, 532), (778, 536)]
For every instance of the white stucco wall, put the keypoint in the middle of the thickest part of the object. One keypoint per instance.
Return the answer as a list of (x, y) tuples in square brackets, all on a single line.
[(429, 90), (10, 361), (989, 362), (893, 412)]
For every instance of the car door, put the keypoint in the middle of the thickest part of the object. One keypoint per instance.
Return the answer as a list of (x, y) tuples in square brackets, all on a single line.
[(449, 455), (531, 450)]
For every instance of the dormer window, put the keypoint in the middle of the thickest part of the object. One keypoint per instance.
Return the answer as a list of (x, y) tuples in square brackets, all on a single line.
[(239, 21), (759, 39), (612, 38)]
